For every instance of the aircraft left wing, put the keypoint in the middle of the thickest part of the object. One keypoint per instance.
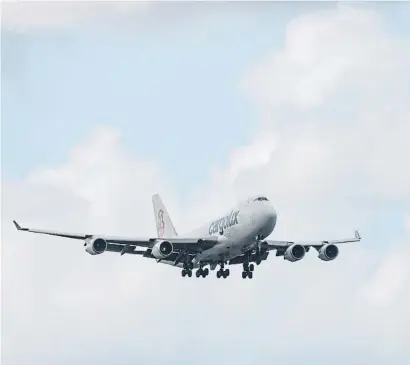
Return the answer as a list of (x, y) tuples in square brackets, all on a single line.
[(128, 244), (282, 245)]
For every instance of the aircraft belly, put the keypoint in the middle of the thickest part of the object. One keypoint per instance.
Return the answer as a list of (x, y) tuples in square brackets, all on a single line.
[(240, 239), (179, 265)]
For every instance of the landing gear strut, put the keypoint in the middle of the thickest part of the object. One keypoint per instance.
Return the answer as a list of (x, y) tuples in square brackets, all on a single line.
[(221, 272), (258, 251)]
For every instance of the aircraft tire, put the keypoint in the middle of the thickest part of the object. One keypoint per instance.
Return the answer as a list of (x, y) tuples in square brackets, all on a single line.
[(251, 267), (244, 274), (250, 274)]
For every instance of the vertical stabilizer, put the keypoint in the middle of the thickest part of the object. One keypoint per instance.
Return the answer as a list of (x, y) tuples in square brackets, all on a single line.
[(165, 228)]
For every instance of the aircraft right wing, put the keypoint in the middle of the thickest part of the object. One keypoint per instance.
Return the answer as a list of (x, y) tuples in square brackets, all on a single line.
[(281, 245)]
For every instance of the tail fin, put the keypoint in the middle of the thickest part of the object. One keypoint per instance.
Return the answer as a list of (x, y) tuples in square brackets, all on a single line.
[(165, 228)]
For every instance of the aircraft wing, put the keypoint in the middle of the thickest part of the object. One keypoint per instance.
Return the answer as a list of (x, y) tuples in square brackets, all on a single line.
[(128, 244), (283, 245)]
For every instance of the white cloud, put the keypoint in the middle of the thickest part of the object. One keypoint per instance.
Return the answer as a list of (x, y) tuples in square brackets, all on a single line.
[(327, 57), (335, 109), (346, 81), (391, 280)]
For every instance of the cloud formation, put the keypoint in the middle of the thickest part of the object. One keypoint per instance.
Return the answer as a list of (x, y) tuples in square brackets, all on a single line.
[(330, 153)]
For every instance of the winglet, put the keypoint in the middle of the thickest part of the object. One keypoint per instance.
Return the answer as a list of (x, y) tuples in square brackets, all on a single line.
[(17, 226), (357, 235)]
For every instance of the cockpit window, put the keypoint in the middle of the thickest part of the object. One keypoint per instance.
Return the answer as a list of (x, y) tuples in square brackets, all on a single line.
[(261, 198)]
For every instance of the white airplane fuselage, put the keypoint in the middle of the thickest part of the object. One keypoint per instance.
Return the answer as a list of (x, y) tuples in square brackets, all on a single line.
[(238, 230)]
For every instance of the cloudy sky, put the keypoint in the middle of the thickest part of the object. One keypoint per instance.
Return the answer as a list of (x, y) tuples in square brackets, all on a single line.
[(104, 104)]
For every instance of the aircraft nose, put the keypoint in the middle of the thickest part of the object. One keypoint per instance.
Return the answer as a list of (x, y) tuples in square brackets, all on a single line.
[(271, 215)]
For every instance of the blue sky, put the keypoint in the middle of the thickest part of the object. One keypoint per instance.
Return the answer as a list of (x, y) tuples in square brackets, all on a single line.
[(170, 86), (59, 84)]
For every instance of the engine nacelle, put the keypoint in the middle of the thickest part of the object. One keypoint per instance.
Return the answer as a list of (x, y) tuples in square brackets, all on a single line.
[(162, 249), (328, 252), (294, 253), (96, 246)]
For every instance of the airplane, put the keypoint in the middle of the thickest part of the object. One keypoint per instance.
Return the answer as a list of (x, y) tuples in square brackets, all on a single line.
[(236, 237)]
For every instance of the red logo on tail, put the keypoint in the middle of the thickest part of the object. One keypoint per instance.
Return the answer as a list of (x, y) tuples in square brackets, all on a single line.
[(161, 223)]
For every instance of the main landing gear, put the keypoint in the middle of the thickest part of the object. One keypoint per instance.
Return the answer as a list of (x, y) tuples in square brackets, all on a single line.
[(187, 270), (247, 270), (221, 273), (202, 272)]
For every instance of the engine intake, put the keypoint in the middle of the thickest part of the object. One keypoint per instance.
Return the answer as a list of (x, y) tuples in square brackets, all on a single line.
[(96, 246), (328, 252), (295, 253), (162, 249)]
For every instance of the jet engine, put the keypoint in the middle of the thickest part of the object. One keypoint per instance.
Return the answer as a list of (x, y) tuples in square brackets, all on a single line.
[(328, 252), (294, 253), (95, 246), (162, 249)]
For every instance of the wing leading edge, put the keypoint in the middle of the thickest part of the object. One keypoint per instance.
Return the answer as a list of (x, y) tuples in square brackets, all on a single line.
[(128, 244), (280, 245)]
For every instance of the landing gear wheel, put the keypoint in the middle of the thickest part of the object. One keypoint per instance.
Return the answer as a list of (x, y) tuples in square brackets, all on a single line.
[(225, 273), (198, 273), (244, 274), (251, 267), (189, 273), (183, 273), (218, 274), (206, 272), (250, 274)]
